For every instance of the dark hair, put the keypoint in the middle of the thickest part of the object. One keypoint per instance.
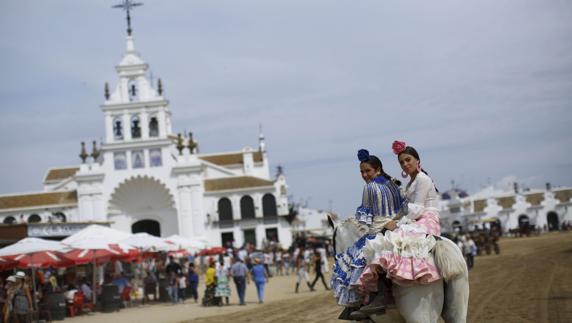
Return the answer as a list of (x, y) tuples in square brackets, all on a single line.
[(411, 151), (374, 162)]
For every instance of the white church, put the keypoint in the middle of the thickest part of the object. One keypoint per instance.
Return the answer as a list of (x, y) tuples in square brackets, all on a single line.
[(145, 178)]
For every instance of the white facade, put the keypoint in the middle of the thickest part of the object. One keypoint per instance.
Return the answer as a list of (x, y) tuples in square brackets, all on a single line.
[(145, 177), (312, 221), (511, 208)]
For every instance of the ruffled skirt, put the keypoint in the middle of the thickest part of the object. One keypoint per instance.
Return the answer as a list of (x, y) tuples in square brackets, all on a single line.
[(348, 267), (403, 255)]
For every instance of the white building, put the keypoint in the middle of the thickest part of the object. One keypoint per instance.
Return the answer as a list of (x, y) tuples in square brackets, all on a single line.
[(511, 208), (312, 222), (146, 178)]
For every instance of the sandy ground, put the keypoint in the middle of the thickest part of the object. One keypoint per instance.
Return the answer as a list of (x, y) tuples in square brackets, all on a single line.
[(530, 281)]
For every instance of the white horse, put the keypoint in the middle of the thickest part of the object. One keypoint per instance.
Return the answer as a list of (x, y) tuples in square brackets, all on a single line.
[(447, 298)]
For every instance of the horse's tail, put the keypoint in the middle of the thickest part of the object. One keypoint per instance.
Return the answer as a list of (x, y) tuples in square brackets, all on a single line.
[(449, 259)]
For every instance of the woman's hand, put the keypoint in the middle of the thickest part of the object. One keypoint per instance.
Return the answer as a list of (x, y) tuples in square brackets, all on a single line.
[(391, 225)]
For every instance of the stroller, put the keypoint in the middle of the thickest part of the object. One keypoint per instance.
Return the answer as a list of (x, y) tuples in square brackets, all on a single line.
[(209, 298)]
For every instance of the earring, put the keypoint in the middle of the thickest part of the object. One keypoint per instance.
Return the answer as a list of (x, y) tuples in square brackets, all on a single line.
[(403, 174), (419, 167)]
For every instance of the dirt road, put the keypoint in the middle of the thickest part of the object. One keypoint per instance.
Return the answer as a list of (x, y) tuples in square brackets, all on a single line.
[(530, 281)]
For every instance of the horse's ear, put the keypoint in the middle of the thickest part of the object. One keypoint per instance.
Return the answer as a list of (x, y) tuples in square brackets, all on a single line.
[(331, 221)]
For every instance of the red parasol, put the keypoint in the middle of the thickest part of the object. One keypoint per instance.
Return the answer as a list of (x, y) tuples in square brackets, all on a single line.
[(212, 251)]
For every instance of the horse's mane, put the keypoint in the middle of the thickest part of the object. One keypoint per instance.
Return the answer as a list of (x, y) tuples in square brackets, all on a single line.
[(348, 230), (351, 221)]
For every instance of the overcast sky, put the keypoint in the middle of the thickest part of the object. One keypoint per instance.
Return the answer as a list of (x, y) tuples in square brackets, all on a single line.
[(482, 88)]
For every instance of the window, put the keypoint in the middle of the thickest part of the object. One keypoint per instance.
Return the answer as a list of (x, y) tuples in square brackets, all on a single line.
[(153, 127), (9, 220), (119, 160), (59, 216), (137, 159), (269, 205), (155, 158), (247, 207), (132, 89), (117, 128), (135, 127), (34, 218), (224, 209)]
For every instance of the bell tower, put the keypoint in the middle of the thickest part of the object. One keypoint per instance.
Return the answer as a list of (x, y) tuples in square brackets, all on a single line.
[(137, 116)]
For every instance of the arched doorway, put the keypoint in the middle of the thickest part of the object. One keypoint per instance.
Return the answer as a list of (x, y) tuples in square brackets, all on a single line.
[(552, 221), (143, 204), (148, 226), (523, 221), (524, 224)]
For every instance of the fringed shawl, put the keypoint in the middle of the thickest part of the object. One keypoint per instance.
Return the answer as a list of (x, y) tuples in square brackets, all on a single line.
[(381, 197)]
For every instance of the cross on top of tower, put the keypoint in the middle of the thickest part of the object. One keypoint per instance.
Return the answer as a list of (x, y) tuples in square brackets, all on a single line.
[(128, 5)]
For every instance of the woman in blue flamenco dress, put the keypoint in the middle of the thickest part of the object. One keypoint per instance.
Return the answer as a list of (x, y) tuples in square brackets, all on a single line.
[(381, 201)]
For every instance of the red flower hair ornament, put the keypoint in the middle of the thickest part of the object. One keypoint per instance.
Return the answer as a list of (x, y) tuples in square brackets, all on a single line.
[(398, 147)]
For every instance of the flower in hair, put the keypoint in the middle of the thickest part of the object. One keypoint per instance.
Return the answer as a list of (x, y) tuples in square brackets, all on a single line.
[(398, 147), (363, 155)]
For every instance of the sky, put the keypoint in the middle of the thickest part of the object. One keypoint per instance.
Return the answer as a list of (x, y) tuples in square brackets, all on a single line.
[(481, 88)]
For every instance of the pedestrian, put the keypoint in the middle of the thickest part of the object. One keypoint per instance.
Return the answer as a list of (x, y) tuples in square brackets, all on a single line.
[(268, 262), (149, 286), (260, 278), (182, 286), (210, 284), (301, 269), (318, 262), (222, 288), (279, 262), (193, 280), (173, 270), (470, 252), (239, 272), (286, 261), (21, 300)]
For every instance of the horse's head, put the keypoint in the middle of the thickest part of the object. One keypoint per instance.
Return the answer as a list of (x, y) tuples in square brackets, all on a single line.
[(346, 233)]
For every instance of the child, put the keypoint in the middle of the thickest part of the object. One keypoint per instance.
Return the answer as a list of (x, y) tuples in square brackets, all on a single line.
[(182, 284)]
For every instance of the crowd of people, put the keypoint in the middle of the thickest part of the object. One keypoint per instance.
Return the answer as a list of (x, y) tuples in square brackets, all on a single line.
[(164, 278)]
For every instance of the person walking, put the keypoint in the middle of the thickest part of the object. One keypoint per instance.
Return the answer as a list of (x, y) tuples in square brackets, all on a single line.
[(301, 269), (239, 272), (260, 278), (222, 288), (173, 270), (193, 280), (470, 252), (318, 262)]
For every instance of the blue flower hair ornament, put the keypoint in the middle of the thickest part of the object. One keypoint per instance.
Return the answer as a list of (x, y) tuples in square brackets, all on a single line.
[(363, 155)]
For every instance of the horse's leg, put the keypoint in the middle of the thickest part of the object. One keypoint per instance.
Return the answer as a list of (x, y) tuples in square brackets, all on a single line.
[(420, 303), (456, 300)]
